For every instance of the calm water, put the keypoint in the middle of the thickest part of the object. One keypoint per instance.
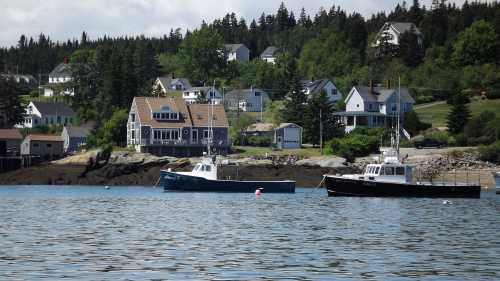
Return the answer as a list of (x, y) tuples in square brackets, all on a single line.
[(91, 233)]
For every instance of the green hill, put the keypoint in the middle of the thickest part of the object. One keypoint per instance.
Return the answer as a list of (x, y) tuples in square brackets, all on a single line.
[(436, 113)]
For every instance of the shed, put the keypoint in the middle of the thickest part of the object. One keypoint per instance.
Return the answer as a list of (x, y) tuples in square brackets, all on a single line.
[(74, 138), (47, 147), (10, 142), (288, 136)]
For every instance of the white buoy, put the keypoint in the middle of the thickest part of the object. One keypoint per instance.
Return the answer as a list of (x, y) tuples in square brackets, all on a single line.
[(258, 192), (447, 202), (106, 187)]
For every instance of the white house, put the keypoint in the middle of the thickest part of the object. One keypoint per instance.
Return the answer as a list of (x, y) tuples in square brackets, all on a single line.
[(60, 75), (192, 94), (374, 107), (47, 113), (237, 52), (392, 31), (168, 84), (269, 54), (315, 87), (250, 100)]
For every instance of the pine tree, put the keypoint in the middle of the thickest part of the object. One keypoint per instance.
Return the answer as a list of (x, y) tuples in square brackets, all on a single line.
[(11, 109), (295, 100), (318, 102), (459, 114)]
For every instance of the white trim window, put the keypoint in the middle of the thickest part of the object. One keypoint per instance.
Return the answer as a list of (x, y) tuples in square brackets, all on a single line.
[(160, 135)]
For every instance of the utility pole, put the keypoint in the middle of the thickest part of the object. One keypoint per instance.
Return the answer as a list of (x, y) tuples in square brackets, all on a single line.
[(321, 130), (261, 109)]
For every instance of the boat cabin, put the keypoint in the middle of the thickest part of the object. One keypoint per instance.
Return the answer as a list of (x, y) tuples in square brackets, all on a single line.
[(397, 173), (206, 169)]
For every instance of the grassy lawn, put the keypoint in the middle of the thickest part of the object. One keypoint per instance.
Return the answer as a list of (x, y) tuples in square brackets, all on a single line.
[(437, 114), (249, 151)]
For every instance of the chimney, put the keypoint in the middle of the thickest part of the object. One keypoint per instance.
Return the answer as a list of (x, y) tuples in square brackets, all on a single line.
[(388, 83), (173, 75)]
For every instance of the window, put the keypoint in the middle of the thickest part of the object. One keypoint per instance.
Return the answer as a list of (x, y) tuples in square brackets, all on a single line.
[(206, 134), (377, 170), (400, 171), (132, 117), (350, 120), (389, 171), (36, 144), (257, 94), (362, 121), (36, 121), (194, 136), (370, 106), (49, 145), (58, 119), (186, 94), (65, 120), (46, 120), (166, 134), (133, 135), (208, 168), (394, 107), (357, 105), (71, 120)]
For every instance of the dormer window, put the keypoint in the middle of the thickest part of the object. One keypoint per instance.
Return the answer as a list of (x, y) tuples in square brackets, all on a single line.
[(165, 114)]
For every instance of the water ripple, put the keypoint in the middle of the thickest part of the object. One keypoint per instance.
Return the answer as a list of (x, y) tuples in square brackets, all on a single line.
[(89, 233)]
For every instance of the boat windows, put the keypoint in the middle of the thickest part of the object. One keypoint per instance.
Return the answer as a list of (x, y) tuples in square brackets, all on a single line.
[(389, 171), (400, 171), (377, 170), (208, 168)]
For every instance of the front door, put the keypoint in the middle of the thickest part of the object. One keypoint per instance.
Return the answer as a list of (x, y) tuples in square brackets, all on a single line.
[(194, 136)]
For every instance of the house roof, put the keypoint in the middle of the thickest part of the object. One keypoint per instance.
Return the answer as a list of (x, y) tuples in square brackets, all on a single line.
[(53, 108), (147, 105), (195, 89), (234, 47), (10, 134), (78, 132), (61, 70), (402, 27), (261, 127), (167, 82), (200, 115), (269, 52), (315, 86), (382, 94), (36, 137), (243, 93), (191, 115), (286, 125)]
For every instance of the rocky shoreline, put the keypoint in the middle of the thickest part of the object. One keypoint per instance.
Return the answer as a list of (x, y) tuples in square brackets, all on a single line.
[(138, 169)]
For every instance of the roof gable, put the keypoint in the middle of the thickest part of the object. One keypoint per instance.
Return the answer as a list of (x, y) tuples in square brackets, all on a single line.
[(61, 70), (269, 52), (53, 108), (234, 47)]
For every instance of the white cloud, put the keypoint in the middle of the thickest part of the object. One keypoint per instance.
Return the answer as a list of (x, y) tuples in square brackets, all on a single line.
[(66, 19)]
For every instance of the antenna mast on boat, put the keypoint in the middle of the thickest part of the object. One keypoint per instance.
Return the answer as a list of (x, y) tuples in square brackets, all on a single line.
[(399, 116), (210, 122)]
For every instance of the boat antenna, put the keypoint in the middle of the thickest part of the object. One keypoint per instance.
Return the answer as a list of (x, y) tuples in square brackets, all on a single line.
[(399, 116)]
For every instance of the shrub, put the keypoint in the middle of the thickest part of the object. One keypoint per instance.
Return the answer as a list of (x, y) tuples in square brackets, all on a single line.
[(354, 145), (424, 99), (490, 153), (259, 141)]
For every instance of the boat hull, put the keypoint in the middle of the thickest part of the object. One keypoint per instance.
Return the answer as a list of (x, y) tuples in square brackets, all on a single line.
[(171, 181), (496, 176), (338, 186)]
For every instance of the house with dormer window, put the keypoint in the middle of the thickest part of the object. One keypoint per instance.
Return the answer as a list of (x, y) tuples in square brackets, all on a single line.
[(209, 94), (372, 107), (171, 126)]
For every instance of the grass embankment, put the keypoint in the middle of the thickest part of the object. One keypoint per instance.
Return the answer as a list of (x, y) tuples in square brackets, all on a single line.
[(248, 151), (437, 113)]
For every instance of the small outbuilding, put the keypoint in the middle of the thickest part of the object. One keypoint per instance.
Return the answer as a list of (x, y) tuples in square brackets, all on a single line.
[(10, 142), (288, 136), (74, 138), (47, 147)]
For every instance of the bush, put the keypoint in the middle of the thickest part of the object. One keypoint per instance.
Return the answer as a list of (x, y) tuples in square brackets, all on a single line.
[(491, 95), (259, 141), (424, 99), (358, 143), (490, 153)]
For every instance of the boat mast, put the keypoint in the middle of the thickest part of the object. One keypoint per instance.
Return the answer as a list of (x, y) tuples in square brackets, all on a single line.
[(210, 112), (399, 116)]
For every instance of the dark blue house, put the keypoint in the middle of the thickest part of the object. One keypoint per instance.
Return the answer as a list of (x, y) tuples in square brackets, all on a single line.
[(170, 126)]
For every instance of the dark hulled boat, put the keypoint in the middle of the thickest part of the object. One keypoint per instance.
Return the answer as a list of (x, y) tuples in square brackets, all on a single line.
[(340, 186), (203, 178)]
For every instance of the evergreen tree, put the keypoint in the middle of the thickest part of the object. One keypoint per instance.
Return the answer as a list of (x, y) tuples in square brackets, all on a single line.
[(459, 114), (295, 100), (318, 102), (11, 109), (410, 49)]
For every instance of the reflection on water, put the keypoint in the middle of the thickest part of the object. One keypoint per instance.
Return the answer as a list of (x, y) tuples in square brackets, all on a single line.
[(91, 233)]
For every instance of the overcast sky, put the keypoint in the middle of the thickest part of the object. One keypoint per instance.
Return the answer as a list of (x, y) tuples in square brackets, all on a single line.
[(66, 19)]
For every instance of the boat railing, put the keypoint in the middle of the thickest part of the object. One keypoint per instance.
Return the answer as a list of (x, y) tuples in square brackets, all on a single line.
[(458, 177)]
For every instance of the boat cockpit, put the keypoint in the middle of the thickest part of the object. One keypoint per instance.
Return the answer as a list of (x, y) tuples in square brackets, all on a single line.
[(396, 173)]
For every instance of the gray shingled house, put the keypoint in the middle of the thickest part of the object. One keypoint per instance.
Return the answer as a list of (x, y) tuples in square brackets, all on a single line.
[(74, 138)]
